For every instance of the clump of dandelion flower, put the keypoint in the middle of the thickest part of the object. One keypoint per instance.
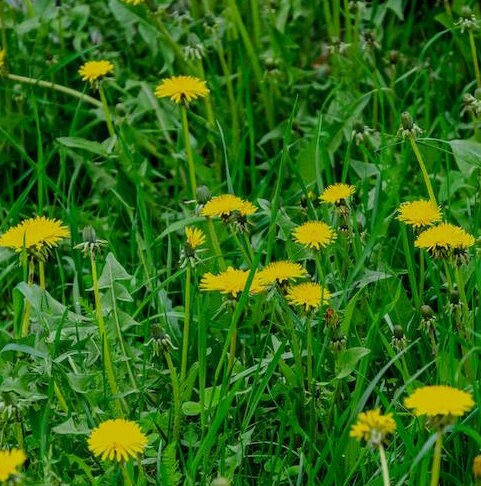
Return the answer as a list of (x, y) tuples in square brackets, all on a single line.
[(10, 461), (224, 205), (314, 234), (281, 272), (444, 239), (36, 235), (309, 295), (117, 440), (419, 213), (337, 193), (182, 89), (95, 70), (440, 401), (373, 427), (230, 282)]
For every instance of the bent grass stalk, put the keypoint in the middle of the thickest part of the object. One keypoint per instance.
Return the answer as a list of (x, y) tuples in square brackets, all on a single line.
[(424, 172)]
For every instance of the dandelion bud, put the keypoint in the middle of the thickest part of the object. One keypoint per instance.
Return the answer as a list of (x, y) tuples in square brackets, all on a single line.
[(398, 340), (203, 195)]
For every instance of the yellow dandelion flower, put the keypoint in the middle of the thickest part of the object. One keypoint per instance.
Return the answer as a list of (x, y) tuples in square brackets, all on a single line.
[(117, 440), (419, 213), (440, 400), (477, 467), (281, 272), (444, 238), (182, 89), (373, 427), (311, 295), (34, 234), (94, 70), (2, 58), (195, 237), (10, 461), (314, 234), (337, 193), (230, 282), (226, 204)]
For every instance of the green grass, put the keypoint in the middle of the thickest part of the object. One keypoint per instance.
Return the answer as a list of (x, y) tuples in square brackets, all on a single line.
[(234, 401)]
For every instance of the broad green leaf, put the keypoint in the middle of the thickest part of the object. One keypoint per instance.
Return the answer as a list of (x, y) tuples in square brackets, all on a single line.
[(83, 144), (348, 359), (467, 154), (112, 271)]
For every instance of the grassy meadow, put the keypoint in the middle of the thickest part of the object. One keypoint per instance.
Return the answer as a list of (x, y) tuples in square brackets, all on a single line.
[(239, 242)]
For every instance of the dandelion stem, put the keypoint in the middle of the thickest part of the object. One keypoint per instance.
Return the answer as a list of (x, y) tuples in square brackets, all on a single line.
[(216, 245), (103, 334), (176, 393), (475, 58), (422, 166), (56, 87), (185, 338), (26, 313), (188, 150), (106, 110), (384, 466), (436, 468), (41, 274), (126, 475)]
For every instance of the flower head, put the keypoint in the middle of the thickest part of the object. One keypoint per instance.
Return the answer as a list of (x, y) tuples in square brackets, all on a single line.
[(373, 427), (95, 70), (337, 193), (444, 239), (231, 282), (281, 272), (117, 440), (419, 213), (182, 89), (314, 234), (440, 400), (226, 204), (37, 235), (195, 237), (10, 461), (310, 295)]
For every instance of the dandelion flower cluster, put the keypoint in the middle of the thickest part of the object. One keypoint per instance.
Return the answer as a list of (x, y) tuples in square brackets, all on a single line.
[(195, 237), (337, 193), (443, 239), (310, 295), (314, 234), (225, 205), (281, 272), (10, 461), (117, 440), (373, 427), (37, 234), (182, 89), (231, 282), (440, 400), (94, 70), (419, 213)]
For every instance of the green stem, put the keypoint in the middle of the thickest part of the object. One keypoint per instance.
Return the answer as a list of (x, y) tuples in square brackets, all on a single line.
[(126, 475), (436, 468), (384, 466), (422, 166), (103, 335), (247, 256), (41, 274), (475, 58), (60, 397), (309, 355), (26, 312), (106, 110), (56, 87), (177, 399), (188, 150), (185, 338), (215, 244)]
